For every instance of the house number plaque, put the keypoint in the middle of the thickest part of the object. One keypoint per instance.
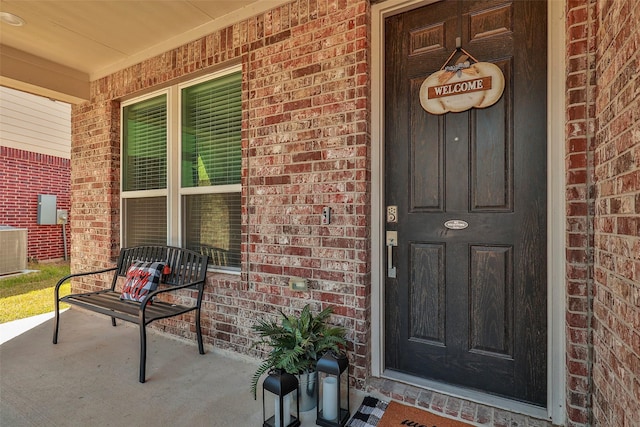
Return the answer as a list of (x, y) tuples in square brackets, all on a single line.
[(456, 224)]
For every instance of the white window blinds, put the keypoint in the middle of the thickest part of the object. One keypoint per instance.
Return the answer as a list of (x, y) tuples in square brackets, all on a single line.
[(181, 168), (145, 145), (211, 162), (211, 132)]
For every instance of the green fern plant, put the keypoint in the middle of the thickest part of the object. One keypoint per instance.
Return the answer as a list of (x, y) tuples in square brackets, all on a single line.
[(297, 342)]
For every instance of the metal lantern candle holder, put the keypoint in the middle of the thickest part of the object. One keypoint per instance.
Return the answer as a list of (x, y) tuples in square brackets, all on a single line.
[(333, 396), (279, 395)]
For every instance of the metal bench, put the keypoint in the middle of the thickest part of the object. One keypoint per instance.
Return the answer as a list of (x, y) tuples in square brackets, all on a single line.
[(186, 269)]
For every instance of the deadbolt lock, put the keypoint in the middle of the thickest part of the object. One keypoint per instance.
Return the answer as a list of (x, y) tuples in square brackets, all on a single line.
[(392, 214)]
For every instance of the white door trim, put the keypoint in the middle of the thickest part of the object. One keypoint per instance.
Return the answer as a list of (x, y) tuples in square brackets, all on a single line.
[(556, 304)]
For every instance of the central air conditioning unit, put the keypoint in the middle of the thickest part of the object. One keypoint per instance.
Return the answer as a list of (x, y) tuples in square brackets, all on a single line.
[(13, 249)]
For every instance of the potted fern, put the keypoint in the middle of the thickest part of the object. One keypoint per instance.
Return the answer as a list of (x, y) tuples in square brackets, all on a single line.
[(297, 342)]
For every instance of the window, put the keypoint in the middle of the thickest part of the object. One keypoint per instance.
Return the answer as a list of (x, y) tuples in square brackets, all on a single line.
[(144, 171), (181, 165)]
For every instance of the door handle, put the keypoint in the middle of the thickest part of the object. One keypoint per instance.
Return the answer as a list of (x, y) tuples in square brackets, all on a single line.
[(392, 240)]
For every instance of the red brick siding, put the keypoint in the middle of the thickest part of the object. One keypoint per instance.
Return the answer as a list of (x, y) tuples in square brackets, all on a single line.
[(580, 101), (616, 373), (95, 188), (305, 146), (23, 176)]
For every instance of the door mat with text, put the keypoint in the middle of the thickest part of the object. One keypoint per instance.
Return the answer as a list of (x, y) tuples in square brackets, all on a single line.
[(375, 412)]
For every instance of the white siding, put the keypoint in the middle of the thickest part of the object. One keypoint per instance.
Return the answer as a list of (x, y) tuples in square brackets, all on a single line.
[(33, 123)]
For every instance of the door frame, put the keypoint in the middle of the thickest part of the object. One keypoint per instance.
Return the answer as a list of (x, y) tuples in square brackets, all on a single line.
[(556, 216)]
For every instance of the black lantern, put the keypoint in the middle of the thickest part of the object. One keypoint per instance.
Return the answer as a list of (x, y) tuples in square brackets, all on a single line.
[(333, 394), (279, 395)]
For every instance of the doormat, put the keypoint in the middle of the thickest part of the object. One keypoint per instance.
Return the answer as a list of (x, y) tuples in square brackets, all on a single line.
[(375, 412), (369, 413)]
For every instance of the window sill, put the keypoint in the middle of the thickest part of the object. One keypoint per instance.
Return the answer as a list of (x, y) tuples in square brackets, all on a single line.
[(214, 270)]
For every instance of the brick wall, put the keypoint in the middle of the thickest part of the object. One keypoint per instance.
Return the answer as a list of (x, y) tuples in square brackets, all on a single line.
[(580, 101), (306, 146), (95, 187), (23, 176), (616, 373)]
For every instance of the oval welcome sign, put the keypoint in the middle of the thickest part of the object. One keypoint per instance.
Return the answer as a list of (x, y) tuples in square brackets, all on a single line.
[(462, 87)]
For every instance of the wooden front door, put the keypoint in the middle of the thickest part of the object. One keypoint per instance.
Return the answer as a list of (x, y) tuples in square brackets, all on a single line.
[(468, 306)]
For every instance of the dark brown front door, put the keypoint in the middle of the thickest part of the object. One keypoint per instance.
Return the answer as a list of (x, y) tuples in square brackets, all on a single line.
[(468, 306)]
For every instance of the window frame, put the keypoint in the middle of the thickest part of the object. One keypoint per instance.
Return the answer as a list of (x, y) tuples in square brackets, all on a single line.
[(174, 190)]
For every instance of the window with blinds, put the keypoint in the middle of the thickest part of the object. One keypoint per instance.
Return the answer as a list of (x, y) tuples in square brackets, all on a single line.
[(146, 221), (145, 145), (144, 169), (211, 132), (202, 195), (211, 162), (211, 226)]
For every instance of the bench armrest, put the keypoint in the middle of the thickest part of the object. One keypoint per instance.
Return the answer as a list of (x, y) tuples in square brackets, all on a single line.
[(71, 276), (150, 297)]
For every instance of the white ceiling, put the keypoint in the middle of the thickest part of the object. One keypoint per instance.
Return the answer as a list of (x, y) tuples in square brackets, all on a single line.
[(94, 38)]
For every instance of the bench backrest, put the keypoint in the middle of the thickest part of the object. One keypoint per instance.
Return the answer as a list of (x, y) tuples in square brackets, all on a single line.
[(185, 266)]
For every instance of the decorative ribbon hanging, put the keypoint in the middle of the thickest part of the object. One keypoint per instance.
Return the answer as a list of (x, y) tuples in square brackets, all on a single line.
[(458, 49)]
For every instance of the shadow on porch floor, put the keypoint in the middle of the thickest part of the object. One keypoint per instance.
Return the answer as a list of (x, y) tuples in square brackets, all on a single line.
[(90, 378)]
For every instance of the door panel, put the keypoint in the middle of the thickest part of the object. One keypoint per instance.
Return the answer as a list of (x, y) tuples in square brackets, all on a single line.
[(492, 152), (491, 301), (468, 307), (427, 293)]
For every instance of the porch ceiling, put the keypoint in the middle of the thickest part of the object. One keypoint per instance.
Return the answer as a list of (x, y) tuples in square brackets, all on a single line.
[(64, 45)]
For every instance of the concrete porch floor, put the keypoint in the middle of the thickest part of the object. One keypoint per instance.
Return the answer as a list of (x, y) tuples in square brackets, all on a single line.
[(90, 378)]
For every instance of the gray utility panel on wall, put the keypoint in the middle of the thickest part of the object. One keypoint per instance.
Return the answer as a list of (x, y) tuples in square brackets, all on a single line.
[(47, 214)]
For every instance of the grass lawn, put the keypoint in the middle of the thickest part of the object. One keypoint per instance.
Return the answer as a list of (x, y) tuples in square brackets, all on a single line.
[(31, 294)]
